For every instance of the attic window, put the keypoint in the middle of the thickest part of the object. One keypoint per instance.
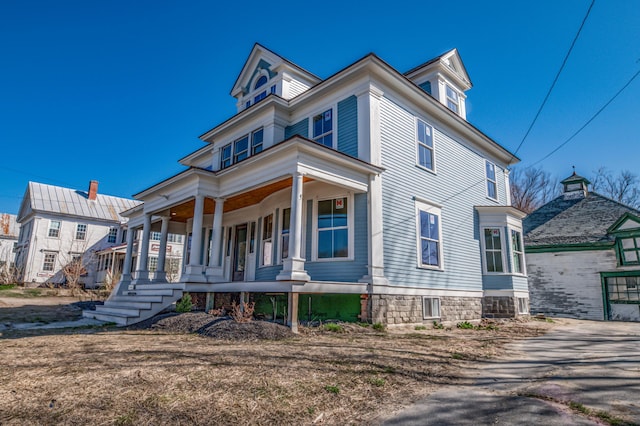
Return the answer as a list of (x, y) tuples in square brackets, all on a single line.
[(261, 82), (452, 100)]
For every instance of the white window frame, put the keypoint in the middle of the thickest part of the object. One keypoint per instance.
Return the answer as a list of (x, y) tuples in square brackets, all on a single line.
[(494, 181), (80, 233), (222, 156), (252, 145), (513, 252), (334, 126), (450, 100), (436, 210), (51, 228), (235, 154), (53, 263), (503, 249), (350, 229), (112, 236), (419, 145), (523, 305), (250, 98), (152, 265), (266, 241), (282, 233), (430, 305)]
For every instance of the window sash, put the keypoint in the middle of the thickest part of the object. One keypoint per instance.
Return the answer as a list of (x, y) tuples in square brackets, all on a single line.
[(517, 252), (624, 289), (492, 187), (81, 231), (630, 250), (429, 239), (430, 307), (54, 229), (453, 102), (267, 240), (241, 149), (424, 136), (257, 138), (286, 225), (225, 157), (49, 262), (323, 128), (113, 235), (493, 250), (332, 228)]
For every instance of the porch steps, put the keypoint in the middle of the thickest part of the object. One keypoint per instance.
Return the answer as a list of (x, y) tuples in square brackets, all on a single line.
[(137, 304)]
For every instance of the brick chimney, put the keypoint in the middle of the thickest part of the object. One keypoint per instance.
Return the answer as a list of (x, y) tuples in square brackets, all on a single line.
[(93, 190)]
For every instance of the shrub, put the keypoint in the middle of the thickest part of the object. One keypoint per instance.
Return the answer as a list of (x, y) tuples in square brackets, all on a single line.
[(242, 312), (379, 326), (336, 328), (438, 325), (185, 304), (420, 327), (465, 325)]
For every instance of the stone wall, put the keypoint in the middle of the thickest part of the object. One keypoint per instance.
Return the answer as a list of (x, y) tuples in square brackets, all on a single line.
[(390, 309), (500, 307)]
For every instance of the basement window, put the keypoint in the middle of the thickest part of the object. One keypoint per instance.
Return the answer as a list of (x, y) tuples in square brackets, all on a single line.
[(430, 307)]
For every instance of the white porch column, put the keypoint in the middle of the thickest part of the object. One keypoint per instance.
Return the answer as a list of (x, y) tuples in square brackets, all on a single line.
[(375, 241), (128, 256), (214, 271), (194, 268), (142, 275), (292, 311), (161, 275), (293, 266)]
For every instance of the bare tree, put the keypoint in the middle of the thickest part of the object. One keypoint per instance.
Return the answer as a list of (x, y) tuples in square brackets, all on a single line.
[(622, 187), (531, 188)]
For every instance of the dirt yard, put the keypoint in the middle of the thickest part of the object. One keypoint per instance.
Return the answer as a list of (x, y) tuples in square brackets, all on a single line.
[(24, 305), (162, 376)]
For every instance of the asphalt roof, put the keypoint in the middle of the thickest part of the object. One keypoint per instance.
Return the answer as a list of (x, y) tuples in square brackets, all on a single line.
[(573, 221), (73, 202)]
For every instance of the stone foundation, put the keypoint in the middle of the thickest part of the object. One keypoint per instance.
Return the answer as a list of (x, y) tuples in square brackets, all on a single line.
[(390, 309), (501, 307)]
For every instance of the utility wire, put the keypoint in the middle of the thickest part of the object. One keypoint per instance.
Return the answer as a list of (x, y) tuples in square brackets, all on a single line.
[(555, 80), (588, 121)]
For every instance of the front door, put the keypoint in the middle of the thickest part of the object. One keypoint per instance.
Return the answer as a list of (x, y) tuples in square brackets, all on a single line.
[(240, 252)]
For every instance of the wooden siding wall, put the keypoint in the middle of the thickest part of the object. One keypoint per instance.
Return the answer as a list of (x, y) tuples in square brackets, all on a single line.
[(296, 87), (300, 128), (458, 185), (348, 126)]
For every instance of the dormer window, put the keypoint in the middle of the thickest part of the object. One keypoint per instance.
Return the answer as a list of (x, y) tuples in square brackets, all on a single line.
[(261, 82), (260, 90), (453, 102)]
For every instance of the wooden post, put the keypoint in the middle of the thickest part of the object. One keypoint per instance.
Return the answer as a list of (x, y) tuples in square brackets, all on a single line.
[(292, 315)]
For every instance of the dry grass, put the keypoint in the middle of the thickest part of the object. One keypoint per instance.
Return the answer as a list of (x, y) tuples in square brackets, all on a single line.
[(152, 377)]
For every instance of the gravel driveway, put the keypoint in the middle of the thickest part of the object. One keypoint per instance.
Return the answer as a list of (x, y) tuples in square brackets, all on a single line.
[(565, 377)]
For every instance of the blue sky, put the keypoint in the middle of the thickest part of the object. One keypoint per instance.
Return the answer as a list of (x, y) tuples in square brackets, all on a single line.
[(118, 91)]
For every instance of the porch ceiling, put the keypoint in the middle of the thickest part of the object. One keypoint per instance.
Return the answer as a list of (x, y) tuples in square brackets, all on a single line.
[(183, 212)]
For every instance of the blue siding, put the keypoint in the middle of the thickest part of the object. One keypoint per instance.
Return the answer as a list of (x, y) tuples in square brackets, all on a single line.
[(269, 273), (342, 271), (348, 126), (505, 282), (458, 185), (300, 128), (426, 86)]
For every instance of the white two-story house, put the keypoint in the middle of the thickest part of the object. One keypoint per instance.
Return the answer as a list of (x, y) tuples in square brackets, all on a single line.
[(366, 195)]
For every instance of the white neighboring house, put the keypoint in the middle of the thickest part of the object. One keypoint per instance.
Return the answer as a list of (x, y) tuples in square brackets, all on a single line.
[(59, 225), (8, 239)]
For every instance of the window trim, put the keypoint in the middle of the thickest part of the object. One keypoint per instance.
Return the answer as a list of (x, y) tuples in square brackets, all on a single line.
[(488, 180), (350, 229), (436, 210), (223, 157), (112, 236), (264, 240), (419, 144), (282, 233), (334, 126), (621, 250), (434, 302), (82, 233), (503, 247), (513, 252), (449, 99), (53, 263), (246, 151), (523, 302), (58, 229)]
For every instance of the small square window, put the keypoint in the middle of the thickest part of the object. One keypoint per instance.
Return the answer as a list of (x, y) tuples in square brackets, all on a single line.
[(430, 307), (523, 305)]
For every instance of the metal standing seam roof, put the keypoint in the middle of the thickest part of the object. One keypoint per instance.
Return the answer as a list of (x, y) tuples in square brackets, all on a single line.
[(574, 221), (73, 202)]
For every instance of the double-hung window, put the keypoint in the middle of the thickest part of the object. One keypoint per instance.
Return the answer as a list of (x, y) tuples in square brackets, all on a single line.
[(54, 229), (257, 138), (267, 240), (225, 156), (81, 231), (453, 102), (630, 250), (153, 263), (425, 145), (286, 222), (112, 236), (241, 149), (333, 228), (493, 249), (429, 236), (517, 252), (49, 263), (323, 128), (492, 188)]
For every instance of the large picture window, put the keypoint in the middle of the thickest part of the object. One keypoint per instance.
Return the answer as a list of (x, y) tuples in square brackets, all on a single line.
[(425, 145), (333, 228), (323, 128), (493, 249)]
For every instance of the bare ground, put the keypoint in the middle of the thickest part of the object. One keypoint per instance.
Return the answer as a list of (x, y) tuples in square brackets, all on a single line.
[(168, 374)]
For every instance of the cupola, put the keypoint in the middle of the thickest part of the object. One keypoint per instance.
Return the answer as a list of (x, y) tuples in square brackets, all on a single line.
[(575, 186)]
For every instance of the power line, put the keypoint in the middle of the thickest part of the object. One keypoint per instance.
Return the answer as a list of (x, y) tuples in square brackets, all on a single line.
[(588, 121), (555, 80)]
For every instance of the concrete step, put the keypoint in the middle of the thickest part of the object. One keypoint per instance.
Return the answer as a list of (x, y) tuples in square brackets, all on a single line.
[(137, 299), (154, 292), (158, 286), (131, 303), (120, 320), (116, 309)]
